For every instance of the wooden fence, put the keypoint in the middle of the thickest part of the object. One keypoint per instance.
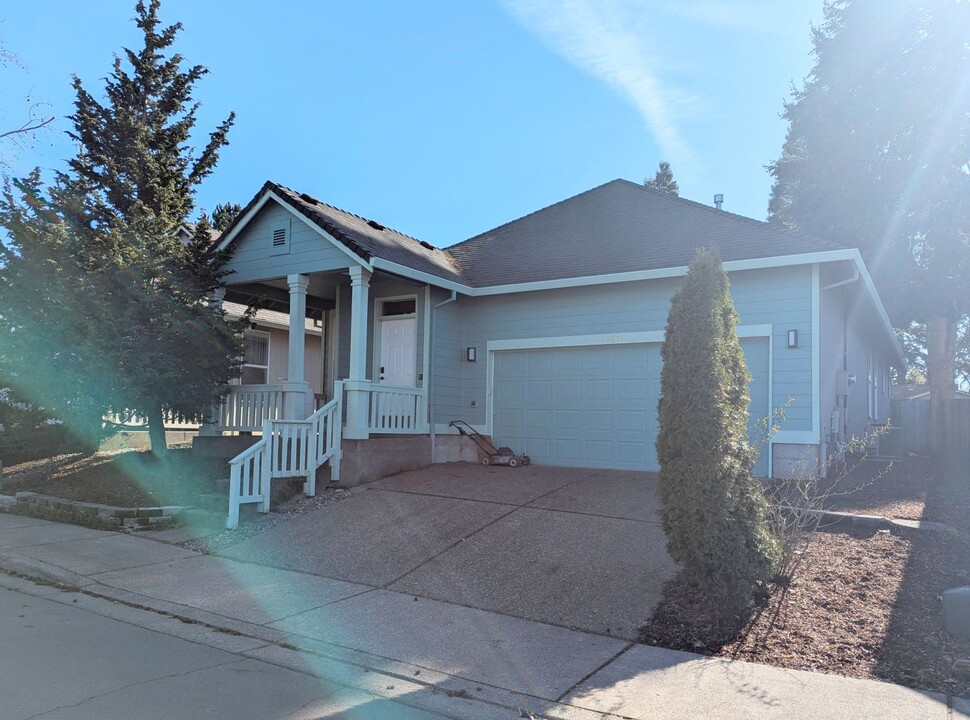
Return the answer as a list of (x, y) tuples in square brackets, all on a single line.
[(913, 419)]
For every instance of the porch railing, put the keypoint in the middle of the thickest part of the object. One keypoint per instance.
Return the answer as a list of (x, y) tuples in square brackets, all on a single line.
[(288, 448), (247, 407), (397, 410)]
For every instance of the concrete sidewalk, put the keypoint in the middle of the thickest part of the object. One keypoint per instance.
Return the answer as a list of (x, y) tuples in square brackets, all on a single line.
[(432, 656)]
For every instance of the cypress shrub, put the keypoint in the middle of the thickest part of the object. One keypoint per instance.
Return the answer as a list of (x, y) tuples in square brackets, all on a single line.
[(714, 513)]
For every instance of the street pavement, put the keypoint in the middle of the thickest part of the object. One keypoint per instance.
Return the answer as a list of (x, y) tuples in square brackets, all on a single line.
[(152, 630)]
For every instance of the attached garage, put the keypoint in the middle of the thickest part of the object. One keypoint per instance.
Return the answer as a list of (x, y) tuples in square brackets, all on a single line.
[(595, 406)]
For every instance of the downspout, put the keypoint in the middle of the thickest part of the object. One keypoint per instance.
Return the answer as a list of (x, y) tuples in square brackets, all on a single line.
[(429, 384)]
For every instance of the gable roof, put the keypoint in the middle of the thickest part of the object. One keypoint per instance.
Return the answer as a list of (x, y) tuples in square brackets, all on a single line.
[(366, 239), (618, 227)]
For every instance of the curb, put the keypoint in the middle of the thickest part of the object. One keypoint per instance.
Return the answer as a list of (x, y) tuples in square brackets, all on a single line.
[(17, 564)]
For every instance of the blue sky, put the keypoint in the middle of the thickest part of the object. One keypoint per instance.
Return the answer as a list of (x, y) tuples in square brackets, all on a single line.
[(445, 118)]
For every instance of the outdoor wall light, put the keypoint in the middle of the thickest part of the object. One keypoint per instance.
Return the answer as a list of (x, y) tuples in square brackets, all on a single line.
[(471, 354), (792, 339)]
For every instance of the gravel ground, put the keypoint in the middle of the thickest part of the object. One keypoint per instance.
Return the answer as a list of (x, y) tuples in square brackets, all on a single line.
[(860, 604), (254, 525)]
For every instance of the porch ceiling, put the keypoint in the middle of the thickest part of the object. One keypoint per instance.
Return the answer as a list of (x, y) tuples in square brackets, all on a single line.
[(272, 297)]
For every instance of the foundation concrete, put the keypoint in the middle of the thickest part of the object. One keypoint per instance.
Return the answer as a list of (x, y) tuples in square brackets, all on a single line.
[(365, 461)]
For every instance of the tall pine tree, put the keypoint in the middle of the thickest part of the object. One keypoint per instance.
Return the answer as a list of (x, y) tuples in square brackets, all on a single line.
[(877, 155), (663, 180), (108, 306), (713, 512)]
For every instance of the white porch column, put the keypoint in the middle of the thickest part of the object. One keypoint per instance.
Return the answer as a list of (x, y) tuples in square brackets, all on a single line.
[(296, 404), (356, 384), (211, 428)]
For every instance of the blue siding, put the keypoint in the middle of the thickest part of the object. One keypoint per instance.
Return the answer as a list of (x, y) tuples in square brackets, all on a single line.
[(253, 257), (781, 297)]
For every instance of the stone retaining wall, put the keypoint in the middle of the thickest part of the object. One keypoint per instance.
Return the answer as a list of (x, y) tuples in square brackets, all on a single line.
[(96, 515)]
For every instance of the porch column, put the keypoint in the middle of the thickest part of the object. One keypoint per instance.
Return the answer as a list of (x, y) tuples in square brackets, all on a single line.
[(297, 390), (357, 385), (211, 427)]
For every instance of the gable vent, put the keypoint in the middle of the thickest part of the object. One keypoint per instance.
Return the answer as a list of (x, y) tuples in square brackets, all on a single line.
[(279, 237)]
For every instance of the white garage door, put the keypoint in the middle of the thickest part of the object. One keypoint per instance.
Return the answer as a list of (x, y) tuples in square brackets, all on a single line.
[(591, 407)]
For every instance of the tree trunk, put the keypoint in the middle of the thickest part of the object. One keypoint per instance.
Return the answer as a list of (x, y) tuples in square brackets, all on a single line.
[(156, 432), (941, 335)]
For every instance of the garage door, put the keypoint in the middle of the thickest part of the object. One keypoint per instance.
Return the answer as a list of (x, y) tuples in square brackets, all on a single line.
[(589, 406)]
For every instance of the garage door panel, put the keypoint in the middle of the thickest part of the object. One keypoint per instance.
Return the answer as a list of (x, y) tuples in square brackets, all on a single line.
[(632, 389), (632, 453), (538, 420), (537, 449), (509, 392), (566, 451), (599, 390), (568, 389), (538, 390), (509, 419), (539, 363), (567, 362), (599, 420), (569, 420), (632, 421), (599, 451)]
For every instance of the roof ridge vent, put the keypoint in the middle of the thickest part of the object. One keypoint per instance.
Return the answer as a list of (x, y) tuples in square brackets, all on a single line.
[(426, 244), (376, 225), (309, 198)]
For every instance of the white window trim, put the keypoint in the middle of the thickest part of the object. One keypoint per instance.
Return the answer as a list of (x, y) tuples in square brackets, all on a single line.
[(269, 348)]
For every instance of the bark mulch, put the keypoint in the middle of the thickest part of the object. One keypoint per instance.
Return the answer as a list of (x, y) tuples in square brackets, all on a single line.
[(127, 479), (860, 604)]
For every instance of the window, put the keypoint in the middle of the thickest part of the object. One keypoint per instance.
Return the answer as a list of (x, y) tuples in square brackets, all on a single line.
[(255, 369), (398, 307)]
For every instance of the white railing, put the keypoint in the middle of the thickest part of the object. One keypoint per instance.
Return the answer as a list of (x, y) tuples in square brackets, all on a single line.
[(396, 410), (325, 432), (248, 480), (247, 407), (288, 448), (172, 420)]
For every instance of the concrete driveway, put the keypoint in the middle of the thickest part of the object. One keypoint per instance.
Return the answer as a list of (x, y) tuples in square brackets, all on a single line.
[(578, 548)]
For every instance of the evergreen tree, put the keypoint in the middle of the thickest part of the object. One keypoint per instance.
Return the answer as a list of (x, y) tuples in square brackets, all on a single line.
[(663, 180), (876, 157), (223, 214), (108, 305), (714, 513)]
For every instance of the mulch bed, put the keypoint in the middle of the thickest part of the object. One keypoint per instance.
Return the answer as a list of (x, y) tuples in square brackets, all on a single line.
[(127, 479), (860, 604)]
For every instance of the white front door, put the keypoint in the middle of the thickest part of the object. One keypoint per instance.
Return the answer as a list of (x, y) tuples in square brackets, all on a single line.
[(398, 353)]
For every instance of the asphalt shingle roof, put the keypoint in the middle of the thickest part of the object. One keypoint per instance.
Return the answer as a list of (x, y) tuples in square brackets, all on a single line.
[(618, 227), (368, 238)]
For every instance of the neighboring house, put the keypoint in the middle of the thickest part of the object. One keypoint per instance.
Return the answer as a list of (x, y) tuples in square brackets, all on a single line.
[(545, 332)]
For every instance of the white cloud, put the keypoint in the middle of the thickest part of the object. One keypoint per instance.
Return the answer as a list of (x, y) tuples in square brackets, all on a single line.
[(609, 41), (612, 40)]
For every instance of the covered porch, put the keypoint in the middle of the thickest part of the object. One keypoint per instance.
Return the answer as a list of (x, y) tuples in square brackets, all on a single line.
[(374, 338)]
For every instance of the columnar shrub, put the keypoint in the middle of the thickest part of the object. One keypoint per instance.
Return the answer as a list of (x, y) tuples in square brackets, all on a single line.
[(714, 513)]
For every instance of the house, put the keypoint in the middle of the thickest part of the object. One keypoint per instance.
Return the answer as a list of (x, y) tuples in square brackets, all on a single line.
[(543, 333)]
